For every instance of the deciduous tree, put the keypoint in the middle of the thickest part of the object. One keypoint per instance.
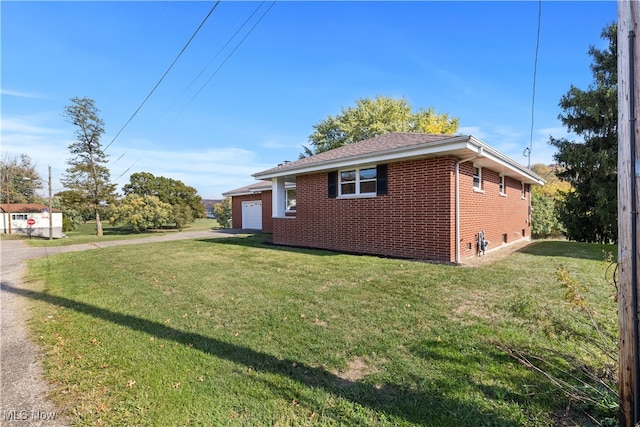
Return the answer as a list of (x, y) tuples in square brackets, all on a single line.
[(222, 212), (140, 212), (87, 172), (19, 180), (187, 204), (373, 117), (544, 218)]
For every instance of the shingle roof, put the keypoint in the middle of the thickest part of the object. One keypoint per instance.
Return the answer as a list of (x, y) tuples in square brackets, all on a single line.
[(389, 141), (25, 208), (249, 189), (399, 146)]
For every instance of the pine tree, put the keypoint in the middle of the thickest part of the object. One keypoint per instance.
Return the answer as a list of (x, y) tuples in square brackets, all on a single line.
[(589, 210)]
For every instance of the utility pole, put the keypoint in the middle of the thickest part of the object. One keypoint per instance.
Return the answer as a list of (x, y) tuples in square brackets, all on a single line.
[(8, 200), (50, 208), (628, 203)]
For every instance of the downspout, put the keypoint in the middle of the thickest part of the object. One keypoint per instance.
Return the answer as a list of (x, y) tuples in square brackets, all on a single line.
[(457, 201)]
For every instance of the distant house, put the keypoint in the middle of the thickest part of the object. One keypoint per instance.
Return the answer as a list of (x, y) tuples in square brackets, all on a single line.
[(409, 195), (16, 218)]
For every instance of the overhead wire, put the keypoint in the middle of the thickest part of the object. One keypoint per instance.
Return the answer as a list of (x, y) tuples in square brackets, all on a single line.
[(232, 52), (225, 45), (164, 75), (533, 95)]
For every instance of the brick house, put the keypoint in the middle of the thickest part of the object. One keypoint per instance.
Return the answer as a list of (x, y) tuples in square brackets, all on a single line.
[(408, 195)]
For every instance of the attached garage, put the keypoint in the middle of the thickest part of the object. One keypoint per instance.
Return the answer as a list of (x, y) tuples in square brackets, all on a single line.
[(251, 207), (252, 214)]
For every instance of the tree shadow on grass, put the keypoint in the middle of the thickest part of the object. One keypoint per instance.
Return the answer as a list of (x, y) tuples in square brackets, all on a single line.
[(407, 403), (264, 241), (564, 248)]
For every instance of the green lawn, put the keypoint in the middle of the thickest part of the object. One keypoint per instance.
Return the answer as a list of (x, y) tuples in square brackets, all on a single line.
[(86, 233), (232, 331)]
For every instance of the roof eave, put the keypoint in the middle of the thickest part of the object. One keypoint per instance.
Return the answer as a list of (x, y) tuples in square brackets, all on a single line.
[(505, 163), (460, 146)]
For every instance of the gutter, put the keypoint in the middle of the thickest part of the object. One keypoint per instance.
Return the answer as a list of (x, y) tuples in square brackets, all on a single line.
[(457, 195)]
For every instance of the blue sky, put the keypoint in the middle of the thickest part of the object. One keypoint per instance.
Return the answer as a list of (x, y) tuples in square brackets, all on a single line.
[(230, 108)]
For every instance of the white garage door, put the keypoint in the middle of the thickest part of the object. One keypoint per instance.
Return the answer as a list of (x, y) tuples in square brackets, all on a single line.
[(252, 214)]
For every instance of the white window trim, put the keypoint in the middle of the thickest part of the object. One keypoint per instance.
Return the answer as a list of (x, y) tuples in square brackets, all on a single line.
[(503, 184), (286, 200), (357, 194), (523, 192), (473, 174)]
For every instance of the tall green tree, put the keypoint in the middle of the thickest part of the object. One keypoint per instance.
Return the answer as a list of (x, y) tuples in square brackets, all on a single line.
[(186, 203), (19, 180), (588, 210), (87, 172), (373, 117)]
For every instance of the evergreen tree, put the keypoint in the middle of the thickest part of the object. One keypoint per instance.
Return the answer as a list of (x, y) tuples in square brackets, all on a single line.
[(589, 210)]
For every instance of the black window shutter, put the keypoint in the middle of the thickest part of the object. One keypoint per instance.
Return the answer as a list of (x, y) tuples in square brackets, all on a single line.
[(381, 184), (332, 184)]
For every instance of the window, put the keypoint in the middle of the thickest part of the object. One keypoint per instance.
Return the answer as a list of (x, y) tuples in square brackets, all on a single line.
[(18, 216), (477, 178), (358, 181), (291, 199), (503, 189), (524, 191)]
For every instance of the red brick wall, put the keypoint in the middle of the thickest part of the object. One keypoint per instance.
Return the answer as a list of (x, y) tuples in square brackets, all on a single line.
[(407, 222), (414, 220), (236, 210), (500, 217), (267, 214)]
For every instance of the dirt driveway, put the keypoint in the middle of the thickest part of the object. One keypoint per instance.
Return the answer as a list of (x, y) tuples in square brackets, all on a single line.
[(23, 390)]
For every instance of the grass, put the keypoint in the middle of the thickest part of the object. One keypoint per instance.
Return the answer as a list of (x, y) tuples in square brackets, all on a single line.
[(231, 331), (86, 233)]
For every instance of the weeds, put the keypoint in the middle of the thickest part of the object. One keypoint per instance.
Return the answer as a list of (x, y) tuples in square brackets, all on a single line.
[(583, 363)]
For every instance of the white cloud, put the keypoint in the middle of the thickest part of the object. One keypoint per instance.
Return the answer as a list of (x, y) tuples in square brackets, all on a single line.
[(19, 94), (211, 171)]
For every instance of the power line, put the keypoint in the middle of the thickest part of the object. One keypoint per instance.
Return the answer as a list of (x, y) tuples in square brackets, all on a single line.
[(533, 96), (164, 75), (225, 45), (232, 52)]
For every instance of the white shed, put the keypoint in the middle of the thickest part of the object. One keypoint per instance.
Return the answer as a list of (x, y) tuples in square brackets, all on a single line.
[(30, 219)]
